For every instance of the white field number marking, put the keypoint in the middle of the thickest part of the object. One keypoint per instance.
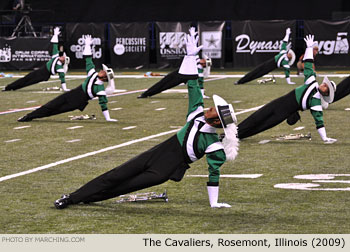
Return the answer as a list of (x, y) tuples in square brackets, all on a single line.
[(317, 180)]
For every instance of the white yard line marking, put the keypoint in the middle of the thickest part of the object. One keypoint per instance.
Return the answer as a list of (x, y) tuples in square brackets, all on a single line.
[(248, 110), (18, 110), (229, 176), (12, 140), (22, 127), (73, 141), (154, 101), (264, 141), (30, 101), (116, 108), (75, 127), (159, 109), (130, 127), (85, 155)]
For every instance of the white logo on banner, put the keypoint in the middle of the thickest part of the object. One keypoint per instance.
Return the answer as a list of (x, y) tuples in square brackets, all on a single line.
[(212, 41), (172, 43), (131, 45), (338, 46), (245, 45), (5, 54), (79, 48)]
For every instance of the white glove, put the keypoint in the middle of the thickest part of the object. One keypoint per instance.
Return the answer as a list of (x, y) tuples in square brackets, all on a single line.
[(193, 32), (64, 87), (106, 115), (325, 139), (310, 43), (286, 37), (191, 44), (87, 49), (289, 81), (56, 31), (213, 193)]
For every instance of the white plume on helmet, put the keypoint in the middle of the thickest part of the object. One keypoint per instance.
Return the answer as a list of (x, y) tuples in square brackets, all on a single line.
[(228, 120), (110, 76)]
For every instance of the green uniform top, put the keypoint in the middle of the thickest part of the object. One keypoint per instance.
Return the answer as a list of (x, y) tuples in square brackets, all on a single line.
[(54, 65), (308, 96), (281, 59), (198, 138), (93, 86)]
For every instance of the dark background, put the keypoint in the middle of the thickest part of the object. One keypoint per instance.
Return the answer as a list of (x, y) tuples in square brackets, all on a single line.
[(182, 10)]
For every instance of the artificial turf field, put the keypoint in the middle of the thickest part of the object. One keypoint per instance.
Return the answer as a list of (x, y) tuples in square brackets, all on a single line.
[(69, 153)]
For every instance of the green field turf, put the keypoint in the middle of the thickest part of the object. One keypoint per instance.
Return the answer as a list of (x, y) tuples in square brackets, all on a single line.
[(257, 206)]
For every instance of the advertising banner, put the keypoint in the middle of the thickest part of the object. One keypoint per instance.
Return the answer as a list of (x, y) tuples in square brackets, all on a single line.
[(24, 53), (212, 38), (332, 40), (257, 41), (170, 37), (129, 45), (74, 44)]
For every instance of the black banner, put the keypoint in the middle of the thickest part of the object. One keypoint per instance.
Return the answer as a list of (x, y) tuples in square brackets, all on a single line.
[(74, 44), (129, 45), (24, 53), (170, 37), (212, 38), (333, 41), (257, 41)]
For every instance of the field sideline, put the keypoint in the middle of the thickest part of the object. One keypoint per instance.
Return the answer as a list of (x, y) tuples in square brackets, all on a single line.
[(47, 157)]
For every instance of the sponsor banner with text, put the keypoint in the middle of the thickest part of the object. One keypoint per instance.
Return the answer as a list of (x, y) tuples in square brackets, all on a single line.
[(129, 44), (212, 39), (257, 41), (170, 37), (74, 44), (24, 53), (332, 40)]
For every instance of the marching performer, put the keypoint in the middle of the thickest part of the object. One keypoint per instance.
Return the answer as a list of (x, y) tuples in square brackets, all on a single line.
[(79, 97), (307, 96), (57, 64), (170, 159), (284, 59)]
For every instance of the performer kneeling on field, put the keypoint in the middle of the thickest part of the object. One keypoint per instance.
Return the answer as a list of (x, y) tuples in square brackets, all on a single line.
[(57, 64), (307, 96), (170, 159), (284, 59), (79, 97)]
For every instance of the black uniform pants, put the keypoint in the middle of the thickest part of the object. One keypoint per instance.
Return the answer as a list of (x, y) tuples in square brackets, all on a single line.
[(36, 76), (269, 115), (169, 81), (163, 162), (343, 89), (260, 70), (72, 100)]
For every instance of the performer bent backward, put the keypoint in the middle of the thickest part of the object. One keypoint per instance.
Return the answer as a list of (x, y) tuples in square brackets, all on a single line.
[(79, 97), (284, 59), (57, 64), (174, 78), (171, 158), (307, 96)]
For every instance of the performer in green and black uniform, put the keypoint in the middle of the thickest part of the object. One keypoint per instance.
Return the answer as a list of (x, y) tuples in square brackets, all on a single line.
[(283, 59), (57, 64), (78, 98), (307, 96), (171, 158)]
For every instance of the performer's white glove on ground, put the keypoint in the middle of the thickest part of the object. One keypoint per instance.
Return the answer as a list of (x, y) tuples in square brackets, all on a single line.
[(213, 193), (64, 87), (289, 81), (325, 139), (108, 118)]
